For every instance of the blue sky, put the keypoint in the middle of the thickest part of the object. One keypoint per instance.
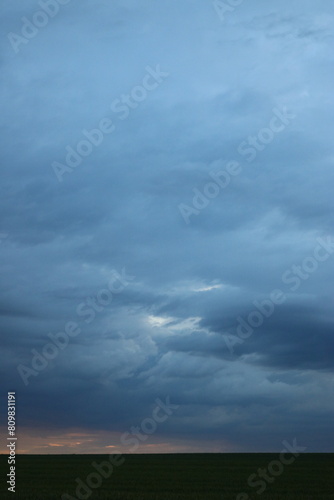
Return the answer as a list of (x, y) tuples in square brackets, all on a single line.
[(166, 186)]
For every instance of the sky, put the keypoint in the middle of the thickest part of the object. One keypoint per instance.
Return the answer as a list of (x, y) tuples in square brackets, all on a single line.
[(166, 232)]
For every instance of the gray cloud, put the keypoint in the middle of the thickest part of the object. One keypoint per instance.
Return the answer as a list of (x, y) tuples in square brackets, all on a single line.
[(164, 334)]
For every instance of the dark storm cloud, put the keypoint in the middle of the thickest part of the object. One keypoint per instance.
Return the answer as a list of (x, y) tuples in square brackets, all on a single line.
[(165, 333)]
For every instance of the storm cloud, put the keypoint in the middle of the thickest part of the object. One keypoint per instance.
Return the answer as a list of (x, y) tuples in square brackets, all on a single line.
[(167, 171)]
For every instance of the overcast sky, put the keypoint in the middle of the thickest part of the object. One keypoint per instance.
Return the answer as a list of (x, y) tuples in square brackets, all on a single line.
[(189, 244)]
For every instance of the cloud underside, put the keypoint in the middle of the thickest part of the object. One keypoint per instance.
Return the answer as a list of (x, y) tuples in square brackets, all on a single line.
[(174, 328)]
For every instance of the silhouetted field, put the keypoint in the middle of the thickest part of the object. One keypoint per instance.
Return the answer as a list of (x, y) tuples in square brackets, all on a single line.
[(174, 477)]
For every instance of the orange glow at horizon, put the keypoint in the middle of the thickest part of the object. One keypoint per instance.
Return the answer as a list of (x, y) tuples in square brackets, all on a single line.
[(104, 442)]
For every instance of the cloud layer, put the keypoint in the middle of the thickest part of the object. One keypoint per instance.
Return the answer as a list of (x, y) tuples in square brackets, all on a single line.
[(211, 93)]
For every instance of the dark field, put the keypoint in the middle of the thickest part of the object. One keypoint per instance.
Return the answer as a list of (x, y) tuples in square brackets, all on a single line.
[(181, 476)]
